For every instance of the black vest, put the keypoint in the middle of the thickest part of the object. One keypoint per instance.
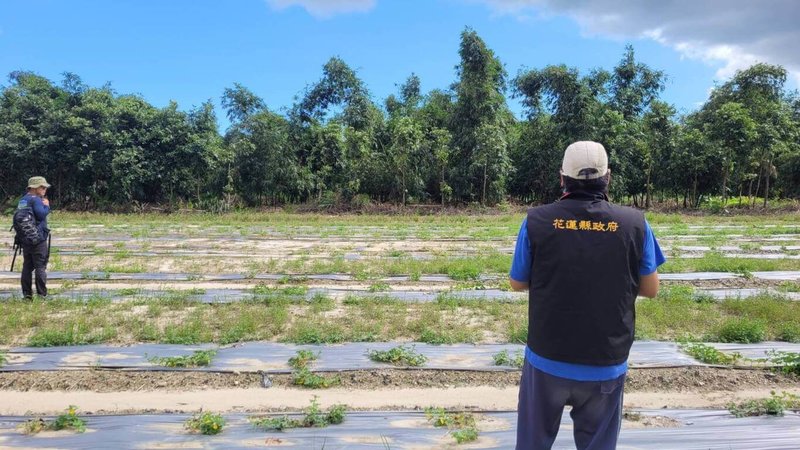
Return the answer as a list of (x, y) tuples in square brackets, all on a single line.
[(584, 279)]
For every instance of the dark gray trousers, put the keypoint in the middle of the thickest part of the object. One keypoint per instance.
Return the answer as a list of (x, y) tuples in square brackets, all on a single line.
[(36, 257), (596, 410)]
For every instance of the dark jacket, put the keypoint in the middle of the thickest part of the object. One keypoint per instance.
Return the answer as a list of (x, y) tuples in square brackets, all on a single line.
[(40, 211)]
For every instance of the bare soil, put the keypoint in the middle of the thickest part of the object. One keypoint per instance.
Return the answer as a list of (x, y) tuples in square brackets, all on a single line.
[(680, 380)]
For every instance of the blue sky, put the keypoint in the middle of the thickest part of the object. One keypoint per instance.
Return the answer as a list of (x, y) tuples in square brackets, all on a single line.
[(189, 51)]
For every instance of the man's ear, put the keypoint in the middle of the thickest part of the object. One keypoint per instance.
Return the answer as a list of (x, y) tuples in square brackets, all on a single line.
[(561, 177)]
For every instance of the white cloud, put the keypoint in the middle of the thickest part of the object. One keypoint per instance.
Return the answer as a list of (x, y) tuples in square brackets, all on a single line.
[(732, 34), (324, 9)]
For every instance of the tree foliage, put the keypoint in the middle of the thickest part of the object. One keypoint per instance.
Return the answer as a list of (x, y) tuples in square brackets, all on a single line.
[(101, 149)]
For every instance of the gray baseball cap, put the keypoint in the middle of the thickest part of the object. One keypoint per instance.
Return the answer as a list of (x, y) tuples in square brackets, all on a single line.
[(585, 160)]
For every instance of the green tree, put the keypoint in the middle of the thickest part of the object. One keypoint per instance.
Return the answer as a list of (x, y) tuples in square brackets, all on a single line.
[(479, 122)]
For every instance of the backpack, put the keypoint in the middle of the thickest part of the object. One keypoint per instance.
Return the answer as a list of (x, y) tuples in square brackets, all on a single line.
[(24, 223)]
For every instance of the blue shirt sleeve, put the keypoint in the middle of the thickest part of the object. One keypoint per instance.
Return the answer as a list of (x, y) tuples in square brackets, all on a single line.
[(652, 256), (39, 209), (521, 265)]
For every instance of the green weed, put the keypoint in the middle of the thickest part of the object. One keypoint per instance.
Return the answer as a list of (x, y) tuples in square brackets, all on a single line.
[(307, 379), (462, 425), (313, 417), (789, 362), (465, 435), (774, 405), (200, 358), (504, 358), (743, 330), (205, 423), (303, 359), (380, 286), (67, 421), (399, 356), (710, 355)]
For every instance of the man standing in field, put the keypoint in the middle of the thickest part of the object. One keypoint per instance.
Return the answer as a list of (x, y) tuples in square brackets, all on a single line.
[(584, 261), (30, 223)]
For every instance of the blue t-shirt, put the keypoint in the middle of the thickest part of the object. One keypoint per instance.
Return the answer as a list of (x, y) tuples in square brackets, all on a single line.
[(521, 270), (40, 211)]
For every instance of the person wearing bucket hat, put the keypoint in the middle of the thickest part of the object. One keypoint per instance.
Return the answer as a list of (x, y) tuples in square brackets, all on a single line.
[(583, 262), (36, 252)]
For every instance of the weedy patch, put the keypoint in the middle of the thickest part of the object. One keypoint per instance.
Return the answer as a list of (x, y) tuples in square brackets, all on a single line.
[(302, 375), (789, 286), (307, 379), (505, 358), (67, 421), (399, 356), (205, 423), (789, 332), (774, 405), (709, 355), (380, 286), (742, 330), (465, 435), (303, 359), (788, 362), (313, 417), (3, 359), (200, 358), (462, 425)]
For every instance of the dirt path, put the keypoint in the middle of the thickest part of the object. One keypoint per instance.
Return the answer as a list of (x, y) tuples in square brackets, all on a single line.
[(281, 399), (116, 391)]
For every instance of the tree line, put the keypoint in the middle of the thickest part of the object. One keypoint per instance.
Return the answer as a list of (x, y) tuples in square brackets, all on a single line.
[(101, 149)]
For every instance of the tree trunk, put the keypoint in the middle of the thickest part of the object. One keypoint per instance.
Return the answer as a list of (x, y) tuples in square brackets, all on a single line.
[(483, 195), (441, 186), (766, 182), (725, 185), (403, 185)]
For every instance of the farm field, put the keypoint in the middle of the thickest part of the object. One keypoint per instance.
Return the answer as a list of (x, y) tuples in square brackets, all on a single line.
[(270, 320)]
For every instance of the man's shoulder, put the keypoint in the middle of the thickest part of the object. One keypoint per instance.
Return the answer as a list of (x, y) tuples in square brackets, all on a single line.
[(622, 209), (543, 208), (26, 201), (31, 199)]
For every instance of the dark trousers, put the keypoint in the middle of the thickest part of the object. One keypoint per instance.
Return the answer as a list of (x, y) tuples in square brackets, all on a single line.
[(36, 258), (596, 410)]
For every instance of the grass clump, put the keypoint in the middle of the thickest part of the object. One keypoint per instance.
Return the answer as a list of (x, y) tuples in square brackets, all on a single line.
[(774, 405), (462, 425), (789, 332), (314, 416), (505, 358), (709, 355), (3, 359), (742, 330), (67, 421), (303, 359), (399, 356), (205, 423), (200, 358)]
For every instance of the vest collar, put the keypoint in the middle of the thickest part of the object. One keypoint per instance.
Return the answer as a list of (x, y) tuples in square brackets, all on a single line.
[(584, 195)]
